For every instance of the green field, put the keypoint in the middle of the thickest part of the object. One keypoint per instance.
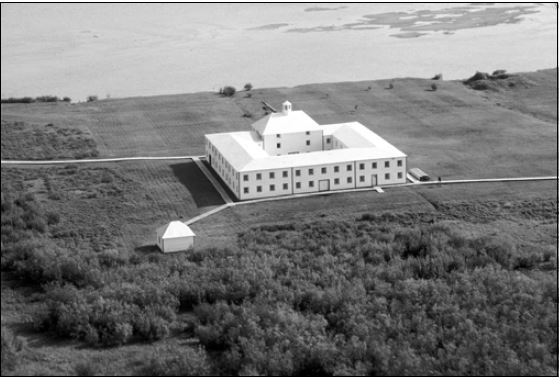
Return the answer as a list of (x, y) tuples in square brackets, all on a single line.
[(342, 279)]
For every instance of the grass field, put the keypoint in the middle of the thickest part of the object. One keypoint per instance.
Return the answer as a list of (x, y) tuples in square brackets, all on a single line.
[(454, 132), (117, 205), (112, 209), (476, 203)]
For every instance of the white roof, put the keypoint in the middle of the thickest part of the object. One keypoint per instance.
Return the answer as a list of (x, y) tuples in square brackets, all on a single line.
[(238, 148), (174, 229), (285, 122), (241, 150), (308, 159)]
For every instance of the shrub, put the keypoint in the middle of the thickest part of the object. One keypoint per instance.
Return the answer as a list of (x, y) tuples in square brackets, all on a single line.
[(477, 76), (85, 369), (92, 98), (437, 77), (433, 87), (248, 87), (16, 100), (228, 91), (66, 99), (10, 351), (47, 99), (184, 362), (53, 218)]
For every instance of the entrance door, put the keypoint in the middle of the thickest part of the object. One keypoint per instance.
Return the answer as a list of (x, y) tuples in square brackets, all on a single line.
[(323, 185), (374, 180)]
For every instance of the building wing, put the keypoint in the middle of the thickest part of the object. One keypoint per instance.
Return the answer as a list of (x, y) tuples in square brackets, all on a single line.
[(238, 148), (285, 122)]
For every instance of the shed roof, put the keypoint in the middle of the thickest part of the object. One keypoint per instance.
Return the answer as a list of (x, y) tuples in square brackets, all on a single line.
[(174, 229), (285, 122)]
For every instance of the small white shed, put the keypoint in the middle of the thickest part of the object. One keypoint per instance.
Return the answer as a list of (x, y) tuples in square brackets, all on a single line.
[(175, 236)]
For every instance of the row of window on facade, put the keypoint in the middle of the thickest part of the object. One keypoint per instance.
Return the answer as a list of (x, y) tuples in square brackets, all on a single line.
[(278, 145), (323, 170), (349, 180), (306, 133)]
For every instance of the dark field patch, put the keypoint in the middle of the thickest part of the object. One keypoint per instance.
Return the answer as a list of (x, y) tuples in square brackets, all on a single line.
[(21, 140), (202, 190)]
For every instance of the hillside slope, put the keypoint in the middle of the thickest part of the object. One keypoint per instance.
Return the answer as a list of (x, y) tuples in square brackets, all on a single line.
[(453, 132)]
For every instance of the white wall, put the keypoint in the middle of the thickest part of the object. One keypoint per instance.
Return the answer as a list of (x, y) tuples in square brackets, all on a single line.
[(223, 169), (365, 169), (293, 142), (279, 180), (305, 177), (176, 244)]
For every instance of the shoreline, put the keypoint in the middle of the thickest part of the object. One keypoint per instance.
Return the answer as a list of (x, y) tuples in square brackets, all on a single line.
[(283, 87)]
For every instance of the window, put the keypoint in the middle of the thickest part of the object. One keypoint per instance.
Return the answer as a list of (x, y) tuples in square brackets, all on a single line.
[(278, 145), (361, 166), (284, 174), (259, 176), (349, 167), (399, 175), (386, 164), (278, 135), (297, 172), (285, 186), (308, 142), (311, 184), (349, 180), (387, 176), (328, 140), (272, 175), (336, 168), (259, 189), (272, 188), (308, 133), (298, 185), (374, 165), (336, 181), (323, 170), (399, 163), (246, 190), (311, 171), (361, 178), (245, 177)]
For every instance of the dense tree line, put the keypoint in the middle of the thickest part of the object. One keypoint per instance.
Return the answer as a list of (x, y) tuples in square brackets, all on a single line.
[(29, 100), (376, 296)]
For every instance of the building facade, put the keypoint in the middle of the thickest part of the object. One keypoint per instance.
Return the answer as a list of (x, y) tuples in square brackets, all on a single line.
[(289, 153)]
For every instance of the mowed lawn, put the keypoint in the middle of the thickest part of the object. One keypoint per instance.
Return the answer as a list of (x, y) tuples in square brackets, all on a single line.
[(453, 132)]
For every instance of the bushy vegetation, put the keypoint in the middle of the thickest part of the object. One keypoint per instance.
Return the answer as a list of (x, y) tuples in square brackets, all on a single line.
[(29, 100), (10, 352), (228, 91), (384, 294), (484, 80), (185, 362), (42, 142)]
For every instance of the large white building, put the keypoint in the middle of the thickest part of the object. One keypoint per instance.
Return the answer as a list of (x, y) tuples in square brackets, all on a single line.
[(289, 153)]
